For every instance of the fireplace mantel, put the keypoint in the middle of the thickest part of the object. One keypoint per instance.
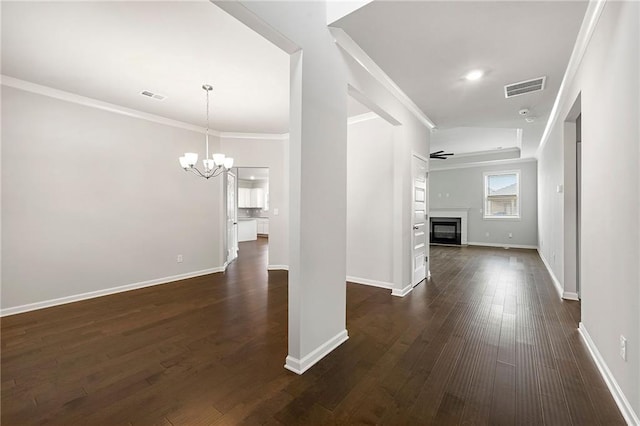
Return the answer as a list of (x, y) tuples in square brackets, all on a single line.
[(460, 213)]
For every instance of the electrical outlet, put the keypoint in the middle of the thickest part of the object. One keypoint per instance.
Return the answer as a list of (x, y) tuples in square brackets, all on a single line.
[(179, 258), (623, 347), (510, 234)]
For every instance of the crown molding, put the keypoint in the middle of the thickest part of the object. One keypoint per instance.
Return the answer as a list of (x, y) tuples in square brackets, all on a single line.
[(489, 151), (39, 89), (94, 103), (262, 136), (485, 164), (591, 18), (351, 47)]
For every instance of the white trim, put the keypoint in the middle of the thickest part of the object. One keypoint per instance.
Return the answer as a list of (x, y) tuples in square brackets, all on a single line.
[(488, 152), (485, 163), (503, 245), (569, 295), (421, 157), (591, 17), (364, 100), (623, 404), (104, 292), (351, 47), (129, 112), (556, 282), (94, 103), (404, 291), (367, 281), (363, 117), (485, 179), (299, 366), (265, 136), (277, 267)]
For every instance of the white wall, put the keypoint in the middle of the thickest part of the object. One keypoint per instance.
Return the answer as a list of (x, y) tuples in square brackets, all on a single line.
[(464, 188), (410, 136), (369, 202), (320, 75), (271, 153), (93, 200), (607, 82)]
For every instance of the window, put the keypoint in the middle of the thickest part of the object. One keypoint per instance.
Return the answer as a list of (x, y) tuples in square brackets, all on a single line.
[(502, 195)]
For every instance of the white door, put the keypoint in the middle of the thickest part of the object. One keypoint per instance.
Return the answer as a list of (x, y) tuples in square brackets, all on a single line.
[(419, 221), (232, 219)]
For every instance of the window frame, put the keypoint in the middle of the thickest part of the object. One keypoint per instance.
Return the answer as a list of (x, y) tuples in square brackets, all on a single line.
[(485, 183)]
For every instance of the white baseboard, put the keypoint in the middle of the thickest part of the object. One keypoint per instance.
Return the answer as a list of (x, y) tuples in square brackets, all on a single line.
[(403, 292), (277, 267), (623, 404), (506, 246), (98, 293), (366, 281), (299, 366), (568, 295), (556, 281)]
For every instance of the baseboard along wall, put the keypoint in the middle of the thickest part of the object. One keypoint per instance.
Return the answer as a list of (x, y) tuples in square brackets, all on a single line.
[(372, 283), (621, 400), (104, 292), (299, 366)]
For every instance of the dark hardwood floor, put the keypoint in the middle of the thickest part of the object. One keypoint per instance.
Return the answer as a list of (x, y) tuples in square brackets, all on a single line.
[(485, 341)]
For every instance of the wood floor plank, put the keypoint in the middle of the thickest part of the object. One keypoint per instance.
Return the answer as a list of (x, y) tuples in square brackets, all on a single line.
[(485, 341)]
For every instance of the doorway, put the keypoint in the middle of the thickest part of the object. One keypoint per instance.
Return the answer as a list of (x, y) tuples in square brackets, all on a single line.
[(252, 206), (419, 246), (572, 192), (578, 198)]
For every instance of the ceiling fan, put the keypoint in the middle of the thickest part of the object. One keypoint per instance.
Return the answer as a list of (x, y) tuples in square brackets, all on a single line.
[(440, 155)]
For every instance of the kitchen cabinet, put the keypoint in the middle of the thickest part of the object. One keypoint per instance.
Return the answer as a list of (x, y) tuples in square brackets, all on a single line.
[(251, 198), (257, 197), (247, 230), (244, 198), (263, 226)]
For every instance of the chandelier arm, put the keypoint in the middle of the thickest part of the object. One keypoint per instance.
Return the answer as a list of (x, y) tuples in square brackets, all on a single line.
[(218, 171), (195, 171)]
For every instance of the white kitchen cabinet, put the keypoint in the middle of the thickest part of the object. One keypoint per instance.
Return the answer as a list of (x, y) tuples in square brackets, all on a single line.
[(247, 230), (244, 198), (251, 198), (263, 226), (257, 197)]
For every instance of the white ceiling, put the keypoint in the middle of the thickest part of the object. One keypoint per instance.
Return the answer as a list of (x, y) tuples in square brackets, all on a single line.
[(111, 51), (427, 48)]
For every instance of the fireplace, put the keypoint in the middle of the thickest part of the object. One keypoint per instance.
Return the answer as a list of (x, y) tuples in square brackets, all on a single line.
[(446, 230)]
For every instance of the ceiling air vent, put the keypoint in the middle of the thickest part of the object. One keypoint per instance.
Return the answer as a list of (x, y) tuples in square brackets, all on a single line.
[(520, 88), (152, 95)]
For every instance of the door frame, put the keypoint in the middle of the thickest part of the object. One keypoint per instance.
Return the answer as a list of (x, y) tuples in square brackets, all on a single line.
[(426, 218)]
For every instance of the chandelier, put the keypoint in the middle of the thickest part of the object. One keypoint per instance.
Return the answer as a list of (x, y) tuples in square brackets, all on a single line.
[(213, 166)]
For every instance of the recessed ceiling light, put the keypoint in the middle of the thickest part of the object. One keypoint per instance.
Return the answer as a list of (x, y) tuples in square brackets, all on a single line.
[(474, 75), (252, 177)]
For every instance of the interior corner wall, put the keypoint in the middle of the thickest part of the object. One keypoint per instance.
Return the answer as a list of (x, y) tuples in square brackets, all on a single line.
[(608, 85), (464, 188), (410, 137), (369, 212), (320, 76), (271, 153), (93, 200)]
